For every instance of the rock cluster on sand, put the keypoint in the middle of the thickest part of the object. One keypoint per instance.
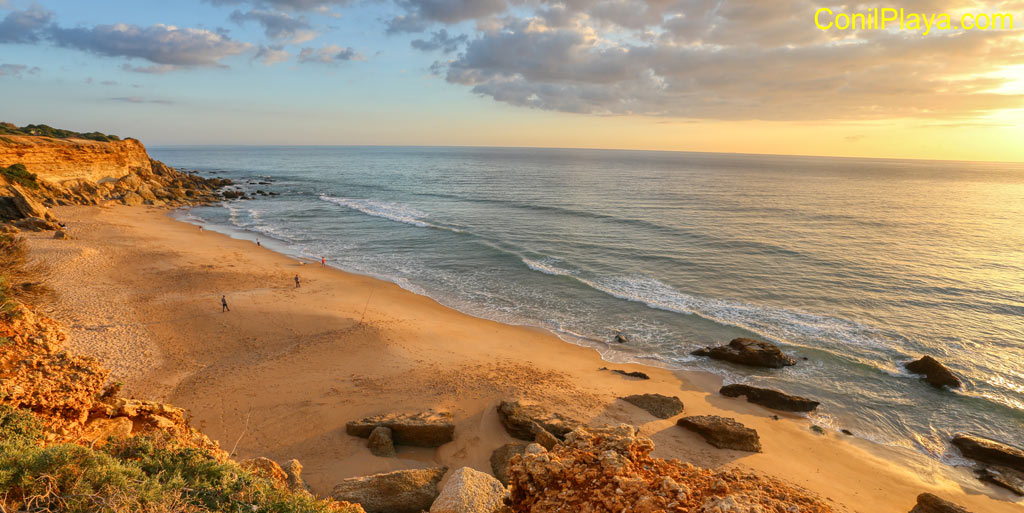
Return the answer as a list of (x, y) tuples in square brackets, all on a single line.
[(722, 432), (770, 398), (747, 351), (936, 374), (427, 429), (501, 459), (534, 423), (402, 491), (610, 469), (990, 451), (661, 406), (469, 491), (928, 503)]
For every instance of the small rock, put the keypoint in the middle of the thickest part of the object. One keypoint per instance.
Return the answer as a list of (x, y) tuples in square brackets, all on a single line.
[(267, 469), (294, 471), (846, 432), (521, 421), (469, 491), (990, 451), (427, 429), (402, 491), (501, 457), (381, 443), (620, 338), (722, 432), (936, 374), (1004, 477), (661, 406), (131, 199), (747, 351), (770, 398), (61, 235), (928, 503)]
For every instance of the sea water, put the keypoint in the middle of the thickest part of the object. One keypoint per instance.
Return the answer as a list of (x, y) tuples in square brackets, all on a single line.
[(856, 265)]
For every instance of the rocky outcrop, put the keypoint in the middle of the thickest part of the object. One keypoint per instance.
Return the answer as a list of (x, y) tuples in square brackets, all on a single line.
[(534, 423), (58, 160), (381, 442), (611, 469), (1003, 477), (936, 374), (501, 459), (722, 432), (661, 406), (928, 503), (402, 491), (469, 491), (770, 398), (747, 351), (990, 451), (427, 429)]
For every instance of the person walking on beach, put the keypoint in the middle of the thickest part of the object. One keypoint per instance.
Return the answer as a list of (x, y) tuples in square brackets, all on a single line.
[(323, 261), (296, 281), (258, 245), (224, 304)]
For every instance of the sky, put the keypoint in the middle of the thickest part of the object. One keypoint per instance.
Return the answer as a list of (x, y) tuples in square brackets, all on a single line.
[(696, 75)]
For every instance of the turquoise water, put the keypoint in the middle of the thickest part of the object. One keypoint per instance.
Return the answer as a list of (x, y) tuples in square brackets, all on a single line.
[(854, 264)]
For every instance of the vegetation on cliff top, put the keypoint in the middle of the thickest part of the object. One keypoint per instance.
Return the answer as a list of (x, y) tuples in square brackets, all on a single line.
[(17, 173), (57, 133)]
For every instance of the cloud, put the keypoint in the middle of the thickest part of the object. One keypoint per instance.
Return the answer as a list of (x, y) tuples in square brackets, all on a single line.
[(139, 99), (272, 54), (329, 54), (293, 5), (720, 59), (440, 40), (278, 25), (166, 46), (17, 70), (25, 26)]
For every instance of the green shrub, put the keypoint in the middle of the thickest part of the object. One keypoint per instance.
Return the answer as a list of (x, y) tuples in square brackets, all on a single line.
[(17, 426), (19, 174), (57, 133)]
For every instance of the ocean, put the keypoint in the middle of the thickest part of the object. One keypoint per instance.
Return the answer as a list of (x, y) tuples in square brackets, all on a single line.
[(856, 265)]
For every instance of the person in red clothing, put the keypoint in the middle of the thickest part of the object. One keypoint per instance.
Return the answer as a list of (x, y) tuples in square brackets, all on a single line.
[(323, 261)]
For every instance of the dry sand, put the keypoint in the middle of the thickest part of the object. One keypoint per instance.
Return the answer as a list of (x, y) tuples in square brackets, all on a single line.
[(281, 374)]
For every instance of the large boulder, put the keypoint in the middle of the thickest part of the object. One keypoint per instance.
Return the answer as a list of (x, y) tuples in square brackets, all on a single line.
[(747, 351), (661, 406), (131, 199), (402, 491), (722, 432), (770, 398), (501, 459), (531, 422), (928, 503), (990, 451), (381, 442), (936, 374), (26, 205), (469, 491), (427, 429)]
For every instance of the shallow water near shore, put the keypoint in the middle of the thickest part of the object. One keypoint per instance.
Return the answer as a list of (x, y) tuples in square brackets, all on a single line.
[(854, 264)]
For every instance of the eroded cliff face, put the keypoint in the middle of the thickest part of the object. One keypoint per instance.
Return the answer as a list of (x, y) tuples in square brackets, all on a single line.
[(59, 160)]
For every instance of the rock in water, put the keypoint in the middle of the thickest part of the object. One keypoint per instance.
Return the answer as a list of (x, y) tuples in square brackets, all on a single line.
[(381, 442), (620, 338), (722, 432), (502, 457), (928, 503), (661, 406), (747, 351), (936, 374), (770, 398), (427, 429), (522, 420), (402, 491), (990, 451), (469, 491), (1004, 477)]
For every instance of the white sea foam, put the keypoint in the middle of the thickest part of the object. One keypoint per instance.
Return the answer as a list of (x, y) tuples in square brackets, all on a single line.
[(546, 266), (393, 211)]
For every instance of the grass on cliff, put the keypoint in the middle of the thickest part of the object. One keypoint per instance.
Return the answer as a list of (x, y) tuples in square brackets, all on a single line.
[(17, 173), (57, 133), (141, 474)]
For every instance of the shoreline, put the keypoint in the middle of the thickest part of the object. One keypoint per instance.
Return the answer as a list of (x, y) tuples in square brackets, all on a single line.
[(168, 343)]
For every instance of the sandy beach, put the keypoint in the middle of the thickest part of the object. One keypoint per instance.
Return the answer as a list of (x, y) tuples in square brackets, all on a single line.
[(283, 371)]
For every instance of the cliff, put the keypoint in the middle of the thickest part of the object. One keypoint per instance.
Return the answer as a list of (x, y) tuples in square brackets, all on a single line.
[(59, 160)]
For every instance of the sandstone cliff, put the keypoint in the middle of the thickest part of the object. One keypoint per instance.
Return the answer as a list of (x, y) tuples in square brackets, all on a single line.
[(58, 160)]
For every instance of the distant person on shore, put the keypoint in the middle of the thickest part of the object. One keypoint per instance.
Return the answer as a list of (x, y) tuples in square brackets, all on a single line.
[(200, 228), (258, 243), (323, 261), (296, 281), (224, 304)]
